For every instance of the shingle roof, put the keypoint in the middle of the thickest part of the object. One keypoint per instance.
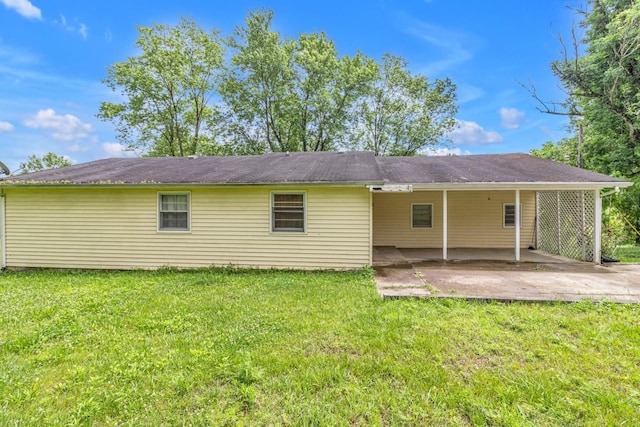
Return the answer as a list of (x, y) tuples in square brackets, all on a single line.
[(483, 168), (322, 167), (273, 168)]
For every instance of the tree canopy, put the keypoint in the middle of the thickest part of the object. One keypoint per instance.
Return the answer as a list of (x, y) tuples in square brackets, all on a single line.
[(402, 113), (167, 91), (601, 76), (48, 161), (192, 91)]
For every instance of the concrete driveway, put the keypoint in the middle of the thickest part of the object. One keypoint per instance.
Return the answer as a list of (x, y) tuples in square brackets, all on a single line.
[(512, 281)]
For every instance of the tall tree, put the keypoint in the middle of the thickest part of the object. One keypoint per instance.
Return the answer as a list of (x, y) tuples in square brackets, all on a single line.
[(601, 74), (605, 82), (47, 161), (404, 113), (180, 97), (290, 95), (564, 151), (167, 91)]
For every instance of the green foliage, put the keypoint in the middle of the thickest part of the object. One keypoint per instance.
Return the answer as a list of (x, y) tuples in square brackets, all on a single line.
[(238, 347), (167, 91), (48, 161), (275, 94), (628, 253), (404, 114), (601, 76), (290, 95), (564, 151), (615, 231)]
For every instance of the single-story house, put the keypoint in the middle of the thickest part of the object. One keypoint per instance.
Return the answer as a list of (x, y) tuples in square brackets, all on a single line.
[(298, 210)]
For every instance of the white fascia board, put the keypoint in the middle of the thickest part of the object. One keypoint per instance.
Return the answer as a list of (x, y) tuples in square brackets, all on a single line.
[(549, 186), (189, 185), (394, 188)]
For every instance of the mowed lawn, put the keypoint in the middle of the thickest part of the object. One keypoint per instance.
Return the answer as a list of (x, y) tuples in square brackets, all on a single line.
[(238, 347)]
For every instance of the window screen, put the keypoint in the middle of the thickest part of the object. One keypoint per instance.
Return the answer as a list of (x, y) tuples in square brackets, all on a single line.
[(174, 212), (288, 212), (509, 217), (421, 215)]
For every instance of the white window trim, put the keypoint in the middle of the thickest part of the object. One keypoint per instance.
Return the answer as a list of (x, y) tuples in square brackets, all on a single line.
[(304, 203), (432, 214), (159, 204), (504, 214)]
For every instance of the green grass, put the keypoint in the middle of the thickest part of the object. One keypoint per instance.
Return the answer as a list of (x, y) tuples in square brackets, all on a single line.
[(235, 347), (628, 253)]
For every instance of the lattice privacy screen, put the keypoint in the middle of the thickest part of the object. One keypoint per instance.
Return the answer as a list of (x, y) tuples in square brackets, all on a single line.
[(566, 223)]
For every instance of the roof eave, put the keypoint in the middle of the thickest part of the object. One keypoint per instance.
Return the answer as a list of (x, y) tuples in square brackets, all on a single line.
[(549, 186), (184, 184)]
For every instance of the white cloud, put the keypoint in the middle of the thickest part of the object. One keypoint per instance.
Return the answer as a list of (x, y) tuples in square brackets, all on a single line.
[(511, 118), (454, 48), (83, 30), (467, 93), (72, 27), (6, 127), (108, 35), (63, 128), (24, 8), (76, 148), (115, 149), (446, 151), (472, 133)]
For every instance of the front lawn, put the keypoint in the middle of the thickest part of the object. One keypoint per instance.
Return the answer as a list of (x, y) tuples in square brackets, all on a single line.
[(235, 347)]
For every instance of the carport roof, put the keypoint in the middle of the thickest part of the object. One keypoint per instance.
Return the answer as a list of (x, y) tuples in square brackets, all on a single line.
[(484, 168), (361, 168)]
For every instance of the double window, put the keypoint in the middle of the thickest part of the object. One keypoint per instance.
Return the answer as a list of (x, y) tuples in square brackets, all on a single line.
[(288, 212), (174, 211), (421, 215)]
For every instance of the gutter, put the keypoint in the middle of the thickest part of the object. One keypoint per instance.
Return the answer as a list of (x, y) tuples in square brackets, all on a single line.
[(461, 186), (608, 193), (27, 184)]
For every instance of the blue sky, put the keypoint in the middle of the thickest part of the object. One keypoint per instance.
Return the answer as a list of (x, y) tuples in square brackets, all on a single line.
[(54, 53)]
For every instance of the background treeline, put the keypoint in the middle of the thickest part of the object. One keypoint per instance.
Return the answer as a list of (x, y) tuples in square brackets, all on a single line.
[(192, 91)]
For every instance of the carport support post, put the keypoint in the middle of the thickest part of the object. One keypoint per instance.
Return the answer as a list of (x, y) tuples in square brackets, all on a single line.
[(3, 232), (597, 227), (444, 224), (517, 225)]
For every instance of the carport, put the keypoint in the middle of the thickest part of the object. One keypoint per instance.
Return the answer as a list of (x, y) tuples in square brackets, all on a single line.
[(486, 207)]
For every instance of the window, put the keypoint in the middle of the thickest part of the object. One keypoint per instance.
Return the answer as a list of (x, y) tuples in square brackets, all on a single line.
[(288, 212), (173, 212), (509, 215), (421, 215)]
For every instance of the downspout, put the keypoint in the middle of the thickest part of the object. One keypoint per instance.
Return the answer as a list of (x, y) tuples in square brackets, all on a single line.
[(597, 250), (3, 233)]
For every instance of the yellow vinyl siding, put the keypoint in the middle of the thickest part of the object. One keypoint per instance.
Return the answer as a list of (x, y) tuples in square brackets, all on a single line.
[(392, 220), (117, 228), (475, 219)]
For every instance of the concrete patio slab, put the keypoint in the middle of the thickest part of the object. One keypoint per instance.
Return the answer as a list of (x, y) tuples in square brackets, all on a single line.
[(512, 281), (390, 255)]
